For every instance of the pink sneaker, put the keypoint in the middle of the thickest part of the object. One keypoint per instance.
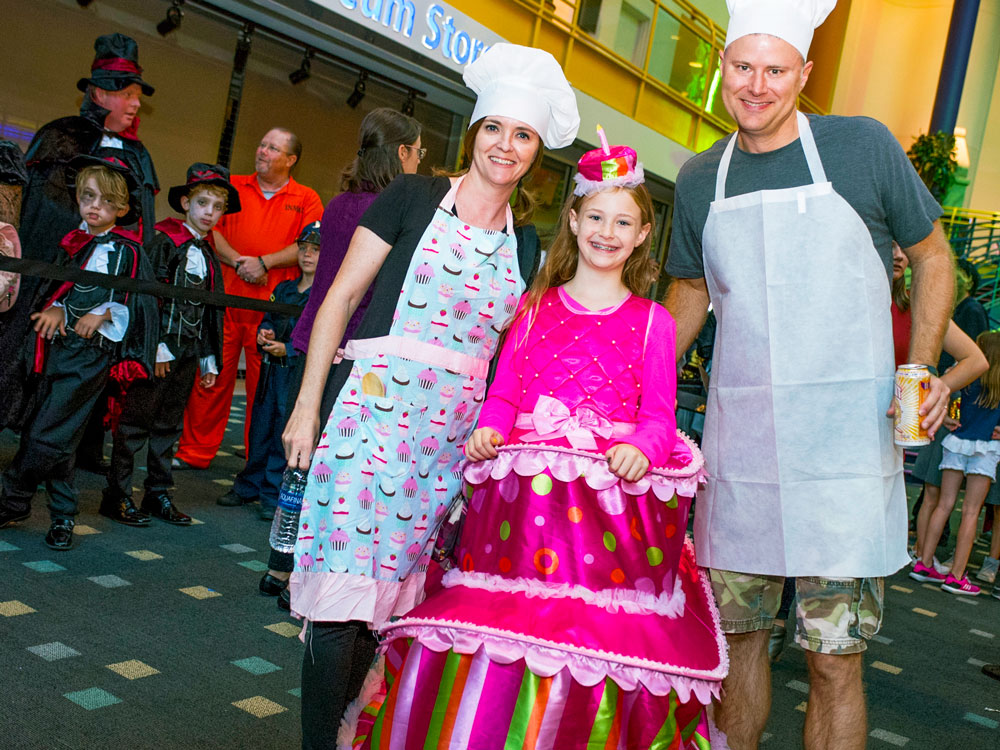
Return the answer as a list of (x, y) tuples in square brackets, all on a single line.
[(924, 573), (960, 586)]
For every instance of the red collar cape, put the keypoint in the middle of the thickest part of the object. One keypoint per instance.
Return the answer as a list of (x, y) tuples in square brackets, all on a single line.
[(73, 243), (131, 132), (98, 114), (78, 239), (179, 233)]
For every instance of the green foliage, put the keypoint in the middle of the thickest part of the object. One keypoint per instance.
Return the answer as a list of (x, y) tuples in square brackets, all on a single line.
[(933, 156)]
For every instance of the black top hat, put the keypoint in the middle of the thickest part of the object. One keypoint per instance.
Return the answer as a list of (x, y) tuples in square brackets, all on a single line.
[(12, 169), (200, 173), (116, 165), (310, 233), (116, 65)]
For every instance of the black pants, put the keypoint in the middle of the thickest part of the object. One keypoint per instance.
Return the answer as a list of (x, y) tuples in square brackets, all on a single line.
[(261, 477), (153, 411), (90, 452), (338, 655), (76, 372)]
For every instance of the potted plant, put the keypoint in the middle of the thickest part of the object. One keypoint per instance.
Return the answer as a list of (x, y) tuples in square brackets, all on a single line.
[(933, 156)]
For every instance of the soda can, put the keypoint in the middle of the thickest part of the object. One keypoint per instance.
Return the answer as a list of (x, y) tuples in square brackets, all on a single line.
[(913, 383)]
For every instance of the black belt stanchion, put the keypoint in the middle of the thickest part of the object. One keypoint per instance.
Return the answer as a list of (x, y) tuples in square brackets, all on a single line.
[(139, 286)]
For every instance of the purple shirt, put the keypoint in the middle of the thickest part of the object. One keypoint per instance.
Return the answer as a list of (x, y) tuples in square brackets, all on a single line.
[(340, 219)]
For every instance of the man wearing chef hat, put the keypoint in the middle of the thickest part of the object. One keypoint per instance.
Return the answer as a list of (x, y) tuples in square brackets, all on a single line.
[(786, 228)]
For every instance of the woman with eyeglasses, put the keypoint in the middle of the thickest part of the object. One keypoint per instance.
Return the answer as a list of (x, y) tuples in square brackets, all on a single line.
[(388, 144), (448, 258)]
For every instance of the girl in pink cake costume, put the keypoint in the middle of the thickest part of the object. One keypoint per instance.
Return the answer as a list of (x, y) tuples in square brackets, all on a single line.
[(577, 617)]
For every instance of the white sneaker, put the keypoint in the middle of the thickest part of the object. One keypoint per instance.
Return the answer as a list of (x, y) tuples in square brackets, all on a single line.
[(988, 570), (945, 567)]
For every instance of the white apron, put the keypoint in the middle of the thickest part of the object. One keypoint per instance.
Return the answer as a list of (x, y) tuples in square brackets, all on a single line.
[(805, 478)]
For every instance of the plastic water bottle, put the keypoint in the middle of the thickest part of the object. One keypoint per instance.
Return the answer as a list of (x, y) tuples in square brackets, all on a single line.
[(285, 527)]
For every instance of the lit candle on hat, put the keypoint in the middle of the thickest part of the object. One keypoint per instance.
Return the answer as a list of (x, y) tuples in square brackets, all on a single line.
[(604, 140)]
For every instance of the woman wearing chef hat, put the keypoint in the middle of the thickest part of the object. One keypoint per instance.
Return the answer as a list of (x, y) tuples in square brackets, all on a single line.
[(449, 257)]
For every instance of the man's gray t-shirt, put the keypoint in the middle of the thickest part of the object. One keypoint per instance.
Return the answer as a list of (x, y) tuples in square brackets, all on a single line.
[(865, 163)]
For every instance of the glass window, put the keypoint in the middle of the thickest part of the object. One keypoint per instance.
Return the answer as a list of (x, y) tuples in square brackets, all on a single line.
[(550, 184), (661, 243), (632, 30), (620, 25), (680, 58), (590, 11), (562, 9), (714, 103)]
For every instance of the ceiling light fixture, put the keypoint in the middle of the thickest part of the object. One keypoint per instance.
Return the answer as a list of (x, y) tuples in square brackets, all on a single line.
[(359, 90), (303, 72), (173, 20), (407, 108)]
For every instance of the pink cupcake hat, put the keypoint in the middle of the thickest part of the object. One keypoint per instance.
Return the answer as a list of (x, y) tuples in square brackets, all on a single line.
[(607, 167)]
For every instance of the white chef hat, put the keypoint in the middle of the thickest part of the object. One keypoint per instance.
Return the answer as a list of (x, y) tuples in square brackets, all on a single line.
[(791, 20), (526, 84)]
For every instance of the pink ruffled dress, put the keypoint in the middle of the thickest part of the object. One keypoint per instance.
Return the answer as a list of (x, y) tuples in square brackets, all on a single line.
[(577, 617)]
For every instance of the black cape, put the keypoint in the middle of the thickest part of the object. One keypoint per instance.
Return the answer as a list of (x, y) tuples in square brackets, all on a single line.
[(167, 251), (138, 345), (48, 213)]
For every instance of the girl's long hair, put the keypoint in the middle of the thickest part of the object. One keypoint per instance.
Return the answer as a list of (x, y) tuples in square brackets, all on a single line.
[(900, 294), (523, 206), (383, 131), (963, 282), (989, 343), (638, 274)]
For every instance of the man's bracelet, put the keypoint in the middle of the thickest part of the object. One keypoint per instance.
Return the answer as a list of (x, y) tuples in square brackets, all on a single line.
[(264, 266)]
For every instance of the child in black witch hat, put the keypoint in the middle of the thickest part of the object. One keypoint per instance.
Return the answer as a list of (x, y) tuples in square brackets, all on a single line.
[(82, 330), (190, 340)]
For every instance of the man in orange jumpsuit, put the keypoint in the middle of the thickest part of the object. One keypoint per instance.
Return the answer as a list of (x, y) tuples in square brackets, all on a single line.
[(257, 249)]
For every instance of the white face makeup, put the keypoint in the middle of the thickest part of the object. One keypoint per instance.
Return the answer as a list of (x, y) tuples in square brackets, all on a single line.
[(203, 210), (98, 212)]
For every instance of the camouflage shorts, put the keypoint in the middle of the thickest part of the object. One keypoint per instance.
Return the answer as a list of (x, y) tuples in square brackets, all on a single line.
[(833, 615)]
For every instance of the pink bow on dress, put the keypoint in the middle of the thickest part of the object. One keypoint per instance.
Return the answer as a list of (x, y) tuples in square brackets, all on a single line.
[(552, 419)]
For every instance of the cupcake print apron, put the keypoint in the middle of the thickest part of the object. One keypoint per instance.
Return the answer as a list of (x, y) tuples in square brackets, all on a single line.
[(388, 460)]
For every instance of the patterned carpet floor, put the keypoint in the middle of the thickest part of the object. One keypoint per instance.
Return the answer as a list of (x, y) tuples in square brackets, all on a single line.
[(146, 637), (158, 638)]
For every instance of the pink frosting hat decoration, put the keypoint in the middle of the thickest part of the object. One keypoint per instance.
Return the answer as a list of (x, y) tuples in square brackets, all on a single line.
[(607, 167)]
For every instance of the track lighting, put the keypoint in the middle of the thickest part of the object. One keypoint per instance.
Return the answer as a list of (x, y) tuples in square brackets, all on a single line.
[(298, 76), (173, 20), (359, 90), (407, 108)]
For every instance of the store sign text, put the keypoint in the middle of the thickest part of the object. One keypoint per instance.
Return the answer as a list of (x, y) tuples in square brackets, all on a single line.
[(442, 33)]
